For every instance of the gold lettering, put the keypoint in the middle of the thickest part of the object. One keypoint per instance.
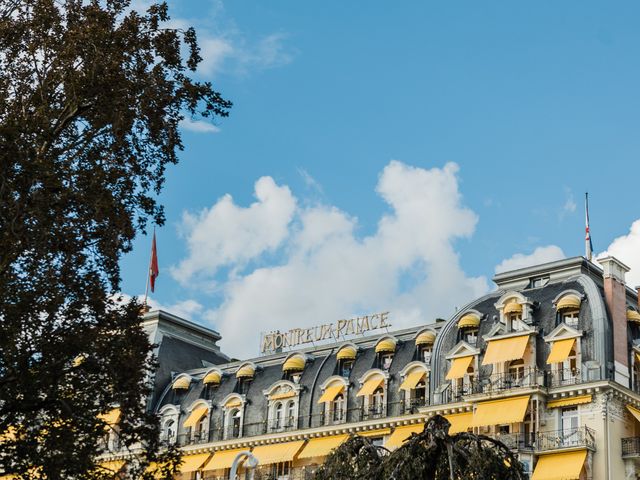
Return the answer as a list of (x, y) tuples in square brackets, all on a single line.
[(267, 343), (326, 331), (350, 329), (374, 321), (364, 324), (278, 340), (383, 318), (341, 326), (308, 335)]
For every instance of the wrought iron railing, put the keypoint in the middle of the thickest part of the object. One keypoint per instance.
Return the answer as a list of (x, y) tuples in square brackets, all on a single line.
[(497, 382), (518, 441), (631, 446), (565, 376), (574, 437)]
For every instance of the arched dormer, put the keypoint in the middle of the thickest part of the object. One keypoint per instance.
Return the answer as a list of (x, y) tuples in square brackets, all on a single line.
[(283, 405), (385, 350), (424, 345), (196, 422), (468, 326), (373, 390), (514, 308), (567, 306), (345, 359), (294, 366), (334, 399), (181, 382), (244, 375), (169, 415), (213, 377), (415, 384)]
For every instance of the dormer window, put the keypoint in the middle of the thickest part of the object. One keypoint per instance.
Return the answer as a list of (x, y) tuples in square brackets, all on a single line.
[(345, 367), (346, 358), (385, 361), (293, 368), (568, 310), (242, 385), (424, 346), (470, 336), (384, 353), (468, 327)]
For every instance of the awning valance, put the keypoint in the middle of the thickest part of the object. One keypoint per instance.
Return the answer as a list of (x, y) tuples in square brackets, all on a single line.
[(380, 432), (567, 402), (512, 307), (459, 367), (277, 452), (193, 463), (412, 379), (212, 378), (568, 302), (370, 386), (426, 338), (293, 364), (385, 346), (460, 422), (280, 396), (560, 466), (401, 434), (500, 412), (347, 353), (505, 349), (321, 447), (331, 392), (469, 320), (195, 416), (223, 459), (560, 350)]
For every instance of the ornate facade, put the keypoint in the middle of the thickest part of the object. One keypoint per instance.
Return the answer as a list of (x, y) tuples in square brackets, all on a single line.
[(549, 363)]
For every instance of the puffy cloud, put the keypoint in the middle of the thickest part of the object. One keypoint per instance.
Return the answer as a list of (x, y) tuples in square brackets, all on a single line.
[(540, 255), (325, 270), (229, 235), (626, 249)]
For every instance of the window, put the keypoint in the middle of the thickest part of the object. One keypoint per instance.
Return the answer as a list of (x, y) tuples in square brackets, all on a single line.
[(419, 394), (291, 415), (376, 405), (516, 372), (570, 317), (200, 430), (344, 367), (470, 335), (242, 385), (424, 353), (279, 416), (235, 424), (538, 282), (385, 361), (280, 471), (570, 367), (338, 409), (569, 422), (169, 431)]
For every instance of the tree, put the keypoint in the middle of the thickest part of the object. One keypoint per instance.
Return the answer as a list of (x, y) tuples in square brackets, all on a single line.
[(432, 454), (91, 97)]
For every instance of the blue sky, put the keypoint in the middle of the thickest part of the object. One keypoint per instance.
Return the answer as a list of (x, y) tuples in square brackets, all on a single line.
[(498, 115)]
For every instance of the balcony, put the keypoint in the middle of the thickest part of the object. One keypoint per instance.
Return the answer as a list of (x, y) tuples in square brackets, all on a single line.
[(567, 376), (631, 447), (518, 441), (571, 438), (499, 382)]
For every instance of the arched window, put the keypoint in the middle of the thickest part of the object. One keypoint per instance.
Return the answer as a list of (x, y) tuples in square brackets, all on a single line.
[(338, 409), (419, 394), (200, 431), (291, 414), (235, 423), (279, 411), (377, 402), (169, 431)]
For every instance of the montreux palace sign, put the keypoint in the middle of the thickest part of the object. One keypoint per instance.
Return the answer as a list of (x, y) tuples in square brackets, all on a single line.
[(278, 341)]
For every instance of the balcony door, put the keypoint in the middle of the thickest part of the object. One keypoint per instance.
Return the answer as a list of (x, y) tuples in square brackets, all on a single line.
[(570, 425)]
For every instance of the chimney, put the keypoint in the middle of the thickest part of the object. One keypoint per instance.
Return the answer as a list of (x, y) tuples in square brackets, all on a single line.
[(615, 297)]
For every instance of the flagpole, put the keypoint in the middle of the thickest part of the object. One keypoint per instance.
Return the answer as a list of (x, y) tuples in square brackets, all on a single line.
[(146, 290), (587, 239)]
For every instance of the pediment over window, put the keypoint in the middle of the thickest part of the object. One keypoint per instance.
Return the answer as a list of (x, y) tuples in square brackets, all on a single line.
[(562, 331), (282, 389), (462, 349)]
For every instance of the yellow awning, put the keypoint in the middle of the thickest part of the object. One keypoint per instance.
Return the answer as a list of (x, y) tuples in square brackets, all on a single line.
[(295, 363), (331, 392), (212, 378), (560, 350), (401, 434), (112, 417), (460, 422), (370, 386), (386, 345), (195, 416), (347, 353), (246, 371), (182, 383), (567, 402), (459, 367), (568, 302), (193, 463), (380, 432), (412, 379), (321, 447), (560, 466), (223, 459), (499, 412), (280, 396), (634, 411), (233, 402), (277, 452), (114, 465), (633, 316), (637, 357), (505, 349), (469, 320), (426, 338), (512, 307)]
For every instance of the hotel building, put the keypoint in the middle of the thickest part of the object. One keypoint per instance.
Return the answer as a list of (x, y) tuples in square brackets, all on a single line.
[(548, 362)]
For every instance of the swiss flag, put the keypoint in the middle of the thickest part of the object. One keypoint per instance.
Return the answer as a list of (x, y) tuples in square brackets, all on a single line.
[(153, 265)]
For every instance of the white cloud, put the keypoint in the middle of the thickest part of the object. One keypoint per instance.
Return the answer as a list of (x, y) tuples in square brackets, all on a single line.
[(198, 126), (326, 272), (540, 255), (627, 249), (227, 234), (309, 181), (187, 309)]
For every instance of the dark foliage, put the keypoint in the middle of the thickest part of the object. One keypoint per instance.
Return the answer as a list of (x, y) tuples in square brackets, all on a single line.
[(431, 455), (91, 95)]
